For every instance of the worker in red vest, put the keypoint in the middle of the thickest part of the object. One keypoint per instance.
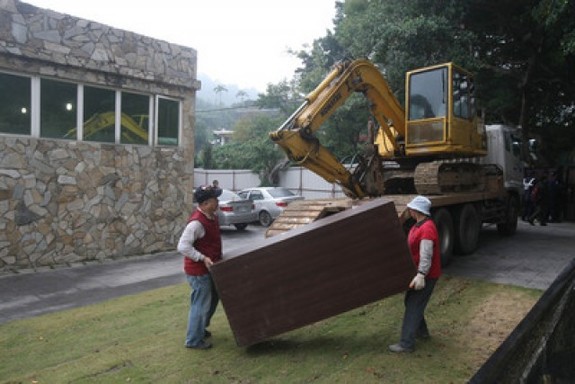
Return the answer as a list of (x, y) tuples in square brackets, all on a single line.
[(201, 246)]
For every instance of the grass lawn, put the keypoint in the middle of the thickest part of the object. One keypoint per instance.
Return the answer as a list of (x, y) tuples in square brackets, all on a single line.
[(140, 339)]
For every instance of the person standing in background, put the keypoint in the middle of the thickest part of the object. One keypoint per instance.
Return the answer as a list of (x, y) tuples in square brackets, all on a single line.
[(540, 197), (528, 184)]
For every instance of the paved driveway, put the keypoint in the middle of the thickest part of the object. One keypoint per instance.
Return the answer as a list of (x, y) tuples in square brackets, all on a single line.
[(532, 258)]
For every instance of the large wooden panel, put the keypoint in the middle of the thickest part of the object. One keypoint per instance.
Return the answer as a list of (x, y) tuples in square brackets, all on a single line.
[(330, 266)]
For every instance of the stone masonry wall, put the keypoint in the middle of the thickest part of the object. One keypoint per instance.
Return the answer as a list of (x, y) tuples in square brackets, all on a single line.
[(64, 201)]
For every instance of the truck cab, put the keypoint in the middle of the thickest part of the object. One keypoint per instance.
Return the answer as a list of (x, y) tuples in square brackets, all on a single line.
[(504, 149)]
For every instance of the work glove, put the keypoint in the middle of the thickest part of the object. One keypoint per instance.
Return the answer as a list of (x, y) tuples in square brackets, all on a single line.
[(418, 282)]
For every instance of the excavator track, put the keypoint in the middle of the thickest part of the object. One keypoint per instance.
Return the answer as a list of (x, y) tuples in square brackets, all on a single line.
[(440, 177)]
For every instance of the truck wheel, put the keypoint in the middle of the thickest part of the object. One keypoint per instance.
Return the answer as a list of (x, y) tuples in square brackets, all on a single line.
[(265, 219), (467, 227), (444, 224), (509, 226)]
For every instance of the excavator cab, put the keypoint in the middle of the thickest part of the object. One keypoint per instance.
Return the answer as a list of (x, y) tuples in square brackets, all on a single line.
[(441, 116)]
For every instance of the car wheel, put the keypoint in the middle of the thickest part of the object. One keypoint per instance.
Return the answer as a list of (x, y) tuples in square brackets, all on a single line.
[(265, 219), (240, 227)]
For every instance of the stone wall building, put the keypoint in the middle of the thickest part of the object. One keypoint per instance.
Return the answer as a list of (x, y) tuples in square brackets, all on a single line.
[(96, 139)]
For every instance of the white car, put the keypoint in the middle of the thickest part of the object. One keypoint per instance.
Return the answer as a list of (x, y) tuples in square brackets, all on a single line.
[(269, 202)]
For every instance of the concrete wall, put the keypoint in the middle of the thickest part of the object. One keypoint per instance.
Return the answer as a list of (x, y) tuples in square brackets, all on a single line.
[(64, 201)]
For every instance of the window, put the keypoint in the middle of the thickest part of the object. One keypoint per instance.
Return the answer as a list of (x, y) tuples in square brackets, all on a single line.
[(463, 102), (427, 94), (168, 121), (135, 118), (99, 114), (256, 195), (58, 109), (15, 102), (49, 108)]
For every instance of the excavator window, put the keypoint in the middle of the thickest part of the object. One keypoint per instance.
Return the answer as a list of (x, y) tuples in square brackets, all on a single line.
[(462, 95), (428, 94), (427, 106)]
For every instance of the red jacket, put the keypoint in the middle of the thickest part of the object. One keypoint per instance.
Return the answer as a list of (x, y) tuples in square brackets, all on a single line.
[(420, 231), (210, 245)]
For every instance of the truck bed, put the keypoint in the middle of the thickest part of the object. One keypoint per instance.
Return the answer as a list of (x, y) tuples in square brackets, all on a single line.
[(303, 212)]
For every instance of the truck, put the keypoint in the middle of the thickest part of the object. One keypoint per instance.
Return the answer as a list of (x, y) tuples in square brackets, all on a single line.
[(437, 146)]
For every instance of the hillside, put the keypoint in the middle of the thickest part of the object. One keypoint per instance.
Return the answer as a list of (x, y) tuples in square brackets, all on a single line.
[(228, 98)]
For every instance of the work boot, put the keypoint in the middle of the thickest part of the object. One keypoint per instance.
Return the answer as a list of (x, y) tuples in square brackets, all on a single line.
[(202, 345)]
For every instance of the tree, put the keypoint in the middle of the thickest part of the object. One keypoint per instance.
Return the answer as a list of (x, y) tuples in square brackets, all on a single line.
[(283, 96), (207, 157), (218, 90), (242, 95), (251, 148)]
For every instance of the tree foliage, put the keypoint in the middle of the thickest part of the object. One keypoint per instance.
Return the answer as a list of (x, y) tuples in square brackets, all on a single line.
[(522, 52), (251, 148), (283, 96)]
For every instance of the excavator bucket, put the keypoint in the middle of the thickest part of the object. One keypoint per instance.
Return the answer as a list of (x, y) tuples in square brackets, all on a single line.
[(314, 272)]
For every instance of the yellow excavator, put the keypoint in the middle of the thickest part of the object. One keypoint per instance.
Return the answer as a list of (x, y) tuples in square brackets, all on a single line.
[(440, 122), (437, 146)]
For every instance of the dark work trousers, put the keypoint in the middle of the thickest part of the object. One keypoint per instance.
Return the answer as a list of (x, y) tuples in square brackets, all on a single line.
[(414, 320)]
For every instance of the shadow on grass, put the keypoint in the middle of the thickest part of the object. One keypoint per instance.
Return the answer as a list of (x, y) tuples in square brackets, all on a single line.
[(318, 344)]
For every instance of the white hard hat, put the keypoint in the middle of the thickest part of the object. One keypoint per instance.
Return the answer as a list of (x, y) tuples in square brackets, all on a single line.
[(420, 204)]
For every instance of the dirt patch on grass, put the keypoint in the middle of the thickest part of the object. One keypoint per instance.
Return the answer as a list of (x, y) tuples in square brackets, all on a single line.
[(494, 319)]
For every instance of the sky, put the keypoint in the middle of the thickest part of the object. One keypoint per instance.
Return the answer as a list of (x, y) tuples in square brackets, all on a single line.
[(241, 42)]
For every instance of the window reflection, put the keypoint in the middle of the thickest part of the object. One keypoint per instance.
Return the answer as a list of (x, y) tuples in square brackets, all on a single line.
[(135, 119), (15, 96), (99, 114), (168, 121), (57, 109)]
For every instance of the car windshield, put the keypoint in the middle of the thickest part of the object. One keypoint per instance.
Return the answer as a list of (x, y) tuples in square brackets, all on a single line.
[(280, 192)]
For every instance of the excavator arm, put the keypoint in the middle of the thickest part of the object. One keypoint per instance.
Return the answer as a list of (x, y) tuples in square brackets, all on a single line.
[(296, 135)]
